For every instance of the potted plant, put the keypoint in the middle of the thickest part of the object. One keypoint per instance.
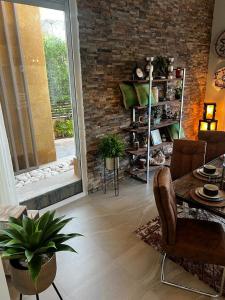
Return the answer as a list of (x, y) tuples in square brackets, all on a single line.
[(30, 245), (111, 149), (160, 65)]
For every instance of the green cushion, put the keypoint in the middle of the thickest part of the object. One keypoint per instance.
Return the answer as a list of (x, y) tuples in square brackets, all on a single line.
[(142, 90), (129, 95), (173, 131)]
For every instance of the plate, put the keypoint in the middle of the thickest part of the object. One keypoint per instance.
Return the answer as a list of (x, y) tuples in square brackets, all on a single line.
[(199, 192), (215, 175)]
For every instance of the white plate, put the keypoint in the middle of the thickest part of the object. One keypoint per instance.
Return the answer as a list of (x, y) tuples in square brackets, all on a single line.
[(199, 192)]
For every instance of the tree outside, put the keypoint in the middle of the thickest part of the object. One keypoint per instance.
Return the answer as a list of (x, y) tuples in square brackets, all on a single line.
[(58, 81)]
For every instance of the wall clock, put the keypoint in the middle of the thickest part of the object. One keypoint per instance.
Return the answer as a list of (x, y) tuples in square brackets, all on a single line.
[(139, 74), (220, 45), (220, 78)]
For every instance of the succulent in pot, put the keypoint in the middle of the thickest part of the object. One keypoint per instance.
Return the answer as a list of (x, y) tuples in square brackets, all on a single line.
[(111, 148), (30, 245)]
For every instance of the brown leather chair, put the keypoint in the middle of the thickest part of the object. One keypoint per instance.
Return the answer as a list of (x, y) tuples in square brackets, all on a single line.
[(198, 240), (215, 143), (187, 156)]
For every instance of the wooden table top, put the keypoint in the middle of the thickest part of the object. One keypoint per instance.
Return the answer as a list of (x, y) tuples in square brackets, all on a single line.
[(185, 184)]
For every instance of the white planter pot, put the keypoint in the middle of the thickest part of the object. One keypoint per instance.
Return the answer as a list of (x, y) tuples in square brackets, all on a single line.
[(112, 162)]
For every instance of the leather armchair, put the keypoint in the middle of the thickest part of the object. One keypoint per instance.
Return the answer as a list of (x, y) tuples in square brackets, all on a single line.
[(215, 143), (198, 240), (187, 156)]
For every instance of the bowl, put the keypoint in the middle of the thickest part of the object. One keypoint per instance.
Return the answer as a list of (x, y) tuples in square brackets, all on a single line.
[(209, 169), (211, 190)]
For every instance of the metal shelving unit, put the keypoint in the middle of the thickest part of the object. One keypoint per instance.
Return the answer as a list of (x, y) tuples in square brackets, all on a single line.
[(144, 174)]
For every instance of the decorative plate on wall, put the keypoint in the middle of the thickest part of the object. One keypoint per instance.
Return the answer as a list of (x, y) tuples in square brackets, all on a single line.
[(220, 78), (220, 45)]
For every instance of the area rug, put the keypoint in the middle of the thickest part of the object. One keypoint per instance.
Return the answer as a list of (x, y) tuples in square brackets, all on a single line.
[(210, 274)]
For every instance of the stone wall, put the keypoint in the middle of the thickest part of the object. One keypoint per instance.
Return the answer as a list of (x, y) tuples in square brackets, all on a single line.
[(116, 34)]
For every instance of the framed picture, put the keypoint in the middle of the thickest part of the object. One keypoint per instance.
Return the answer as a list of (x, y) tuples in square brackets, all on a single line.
[(156, 137)]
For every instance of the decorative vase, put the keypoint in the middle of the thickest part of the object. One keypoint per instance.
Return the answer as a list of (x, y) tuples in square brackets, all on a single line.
[(112, 163), (23, 282), (179, 73), (155, 92)]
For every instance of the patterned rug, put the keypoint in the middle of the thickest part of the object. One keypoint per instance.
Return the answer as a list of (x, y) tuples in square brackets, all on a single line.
[(210, 274)]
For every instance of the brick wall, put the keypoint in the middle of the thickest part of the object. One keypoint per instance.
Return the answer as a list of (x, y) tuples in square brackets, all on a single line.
[(116, 34)]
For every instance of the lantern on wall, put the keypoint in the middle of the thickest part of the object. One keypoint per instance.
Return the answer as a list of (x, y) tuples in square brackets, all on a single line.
[(209, 111), (208, 125), (208, 122)]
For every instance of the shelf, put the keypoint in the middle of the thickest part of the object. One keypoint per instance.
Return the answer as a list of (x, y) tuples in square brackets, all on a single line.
[(147, 129), (138, 152), (154, 80), (161, 103), (164, 124), (141, 174), (143, 151), (153, 127)]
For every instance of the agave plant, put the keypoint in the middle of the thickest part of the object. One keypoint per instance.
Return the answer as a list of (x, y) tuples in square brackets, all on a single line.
[(29, 241)]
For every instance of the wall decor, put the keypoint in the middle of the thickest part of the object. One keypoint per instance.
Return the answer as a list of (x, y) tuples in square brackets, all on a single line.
[(220, 78), (138, 73), (220, 45)]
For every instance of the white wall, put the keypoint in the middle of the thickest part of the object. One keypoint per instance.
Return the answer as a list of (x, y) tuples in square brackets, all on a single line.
[(214, 94)]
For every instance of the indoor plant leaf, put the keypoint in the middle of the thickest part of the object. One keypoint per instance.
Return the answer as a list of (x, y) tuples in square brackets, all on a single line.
[(29, 255), (34, 267), (63, 247)]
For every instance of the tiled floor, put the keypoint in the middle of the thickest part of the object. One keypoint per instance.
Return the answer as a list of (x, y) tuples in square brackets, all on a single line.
[(112, 263)]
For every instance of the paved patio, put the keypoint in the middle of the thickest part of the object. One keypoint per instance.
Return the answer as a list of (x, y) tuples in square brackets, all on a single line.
[(64, 148)]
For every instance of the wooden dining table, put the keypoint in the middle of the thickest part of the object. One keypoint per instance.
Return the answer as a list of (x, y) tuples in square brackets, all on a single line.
[(184, 185)]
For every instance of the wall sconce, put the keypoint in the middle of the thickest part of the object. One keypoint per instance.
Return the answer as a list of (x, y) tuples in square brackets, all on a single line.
[(208, 125), (209, 111)]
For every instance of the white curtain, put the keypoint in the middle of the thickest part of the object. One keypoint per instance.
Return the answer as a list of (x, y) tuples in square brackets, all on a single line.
[(7, 181)]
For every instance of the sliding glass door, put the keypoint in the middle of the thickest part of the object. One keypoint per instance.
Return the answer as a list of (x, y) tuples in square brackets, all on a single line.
[(38, 95)]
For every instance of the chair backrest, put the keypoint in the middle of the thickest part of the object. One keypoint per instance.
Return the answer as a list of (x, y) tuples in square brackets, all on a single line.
[(187, 156), (166, 204), (215, 143)]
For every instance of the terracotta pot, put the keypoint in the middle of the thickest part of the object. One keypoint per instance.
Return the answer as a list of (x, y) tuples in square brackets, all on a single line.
[(23, 282), (111, 162)]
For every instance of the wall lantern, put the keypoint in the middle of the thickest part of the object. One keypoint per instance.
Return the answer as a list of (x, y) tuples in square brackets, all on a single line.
[(209, 111), (208, 125), (208, 122)]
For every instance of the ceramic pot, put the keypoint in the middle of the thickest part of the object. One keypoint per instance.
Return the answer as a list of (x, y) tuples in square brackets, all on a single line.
[(23, 282), (111, 162)]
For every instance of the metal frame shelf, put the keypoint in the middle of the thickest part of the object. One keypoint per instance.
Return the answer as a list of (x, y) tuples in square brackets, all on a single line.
[(144, 174)]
